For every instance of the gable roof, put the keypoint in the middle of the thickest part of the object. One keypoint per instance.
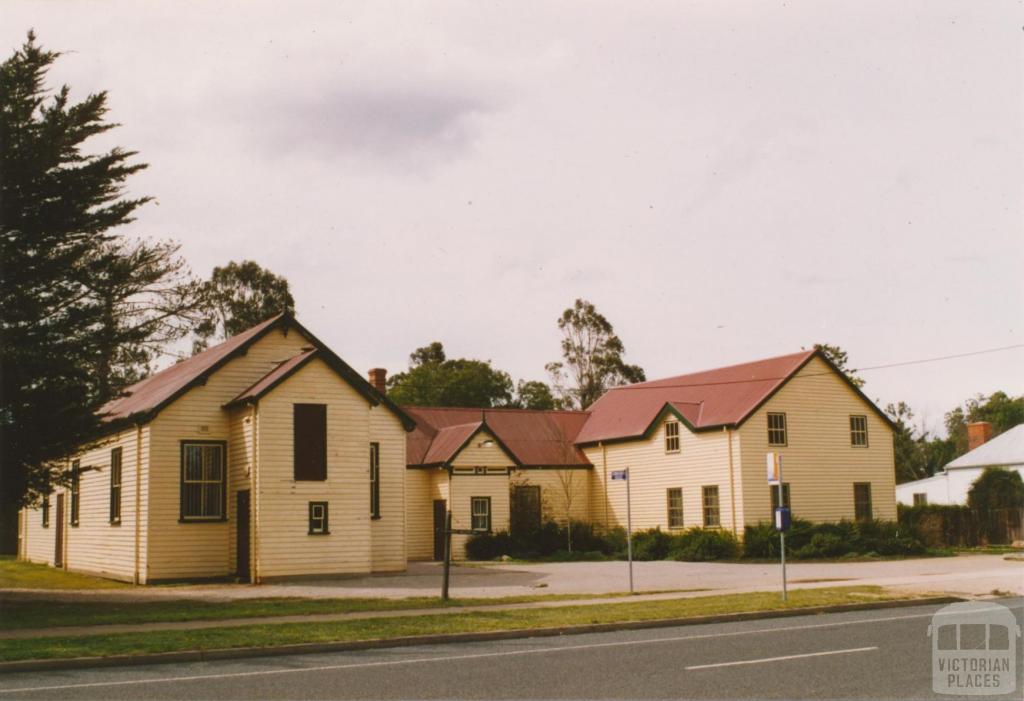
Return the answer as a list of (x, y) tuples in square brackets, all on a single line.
[(704, 400), (532, 438), (1005, 449), (142, 401), (284, 370)]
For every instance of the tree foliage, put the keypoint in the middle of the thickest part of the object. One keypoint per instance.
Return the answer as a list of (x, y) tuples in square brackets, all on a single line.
[(434, 380), (238, 296), (910, 461), (592, 357), (533, 394), (1001, 410), (997, 488), (838, 357), (79, 306)]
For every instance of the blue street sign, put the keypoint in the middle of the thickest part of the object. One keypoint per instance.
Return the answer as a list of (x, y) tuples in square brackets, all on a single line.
[(782, 518), (620, 474)]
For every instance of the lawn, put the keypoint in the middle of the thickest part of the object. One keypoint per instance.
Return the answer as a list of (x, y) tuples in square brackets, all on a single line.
[(385, 628), (48, 614), (25, 575)]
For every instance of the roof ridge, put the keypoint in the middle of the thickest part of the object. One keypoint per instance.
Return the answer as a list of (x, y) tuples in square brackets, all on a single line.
[(721, 367), (509, 409)]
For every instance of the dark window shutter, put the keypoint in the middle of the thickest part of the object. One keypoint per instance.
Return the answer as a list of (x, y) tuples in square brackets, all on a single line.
[(310, 441)]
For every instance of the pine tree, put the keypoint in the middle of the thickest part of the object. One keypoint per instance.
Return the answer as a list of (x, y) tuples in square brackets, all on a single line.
[(78, 304)]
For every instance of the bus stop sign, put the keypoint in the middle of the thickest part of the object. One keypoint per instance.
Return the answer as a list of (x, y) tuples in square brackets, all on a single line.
[(783, 520)]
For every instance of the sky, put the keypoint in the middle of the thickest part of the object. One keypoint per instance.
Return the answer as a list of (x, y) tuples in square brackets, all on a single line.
[(725, 181)]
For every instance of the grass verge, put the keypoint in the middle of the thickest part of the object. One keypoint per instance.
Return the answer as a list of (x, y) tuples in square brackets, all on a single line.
[(22, 614), (269, 635), (26, 575)]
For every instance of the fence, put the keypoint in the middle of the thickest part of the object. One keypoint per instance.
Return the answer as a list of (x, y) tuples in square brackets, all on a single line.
[(961, 526)]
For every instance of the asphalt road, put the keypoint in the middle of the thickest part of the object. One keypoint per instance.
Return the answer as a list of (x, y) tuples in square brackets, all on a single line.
[(868, 654)]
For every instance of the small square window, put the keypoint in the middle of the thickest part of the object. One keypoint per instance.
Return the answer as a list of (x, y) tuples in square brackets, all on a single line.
[(920, 499), (777, 429), (859, 431), (675, 507), (481, 513), (318, 518), (672, 437)]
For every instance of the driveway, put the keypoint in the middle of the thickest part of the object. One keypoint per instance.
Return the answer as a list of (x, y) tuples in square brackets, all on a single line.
[(974, 575)]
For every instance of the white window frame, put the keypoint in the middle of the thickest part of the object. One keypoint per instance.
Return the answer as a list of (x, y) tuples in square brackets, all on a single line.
[(672, 440), (675, 509), (784, 429), (483, 512), (205, 481), (858, 433)]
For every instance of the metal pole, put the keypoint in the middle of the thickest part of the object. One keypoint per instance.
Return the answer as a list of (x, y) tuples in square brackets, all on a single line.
[(629, 532), (447, 554), (782, 533)]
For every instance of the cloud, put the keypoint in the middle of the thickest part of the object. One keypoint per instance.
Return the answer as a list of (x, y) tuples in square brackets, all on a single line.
[(397, 126)]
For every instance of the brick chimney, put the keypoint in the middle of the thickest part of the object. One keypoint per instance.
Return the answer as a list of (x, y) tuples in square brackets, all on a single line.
[(978, 433), (379, 379)]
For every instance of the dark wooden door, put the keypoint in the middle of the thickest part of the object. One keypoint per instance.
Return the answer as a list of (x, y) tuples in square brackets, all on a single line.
[(525, 516), (242, 535), (58, 548), (440, 508)]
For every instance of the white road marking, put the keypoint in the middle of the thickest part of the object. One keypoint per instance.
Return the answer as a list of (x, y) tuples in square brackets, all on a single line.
[(446, 658), (779, 659)]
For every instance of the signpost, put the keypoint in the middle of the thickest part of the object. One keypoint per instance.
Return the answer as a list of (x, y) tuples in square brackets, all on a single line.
[(624, 475), (782, 515), (448, 532)]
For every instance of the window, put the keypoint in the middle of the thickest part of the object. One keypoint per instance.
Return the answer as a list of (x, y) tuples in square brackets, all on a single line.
[(862, 501), (76, 485), (776, 429), (115, 485), (481, 510), (859, 431), (310, 436), (318, 518), (675, 507), (775, 496), (920, 499), (203, 481), (375, 480), (711, 515), (672, 437), (46, 511)]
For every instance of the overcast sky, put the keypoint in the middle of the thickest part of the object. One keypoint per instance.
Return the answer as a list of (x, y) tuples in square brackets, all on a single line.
[(725, 180)]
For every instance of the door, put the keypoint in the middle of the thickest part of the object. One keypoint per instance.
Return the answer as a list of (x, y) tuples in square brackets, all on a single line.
[(440, 509), (58, 548), (525, 516), (242, 535)]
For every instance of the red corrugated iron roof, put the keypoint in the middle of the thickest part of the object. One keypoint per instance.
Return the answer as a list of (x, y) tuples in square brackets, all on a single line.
[(534, 438), (706, 400), (272, 378), (155, 391)]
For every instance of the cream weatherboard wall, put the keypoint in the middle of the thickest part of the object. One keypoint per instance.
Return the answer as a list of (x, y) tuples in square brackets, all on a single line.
[(702, 460), (179, 549), (284, 546), (819, 462), (96, 544), (421, 489), (562, 491)]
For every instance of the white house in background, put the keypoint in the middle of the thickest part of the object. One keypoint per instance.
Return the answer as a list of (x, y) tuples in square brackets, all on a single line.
[(952, 484)]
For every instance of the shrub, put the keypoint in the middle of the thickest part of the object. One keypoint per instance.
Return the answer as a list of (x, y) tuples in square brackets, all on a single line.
[(704, 544), (489, 546), (652, 544), (807, 540)]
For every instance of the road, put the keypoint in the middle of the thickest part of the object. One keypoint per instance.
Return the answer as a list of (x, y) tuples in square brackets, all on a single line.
[(867, 654)]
